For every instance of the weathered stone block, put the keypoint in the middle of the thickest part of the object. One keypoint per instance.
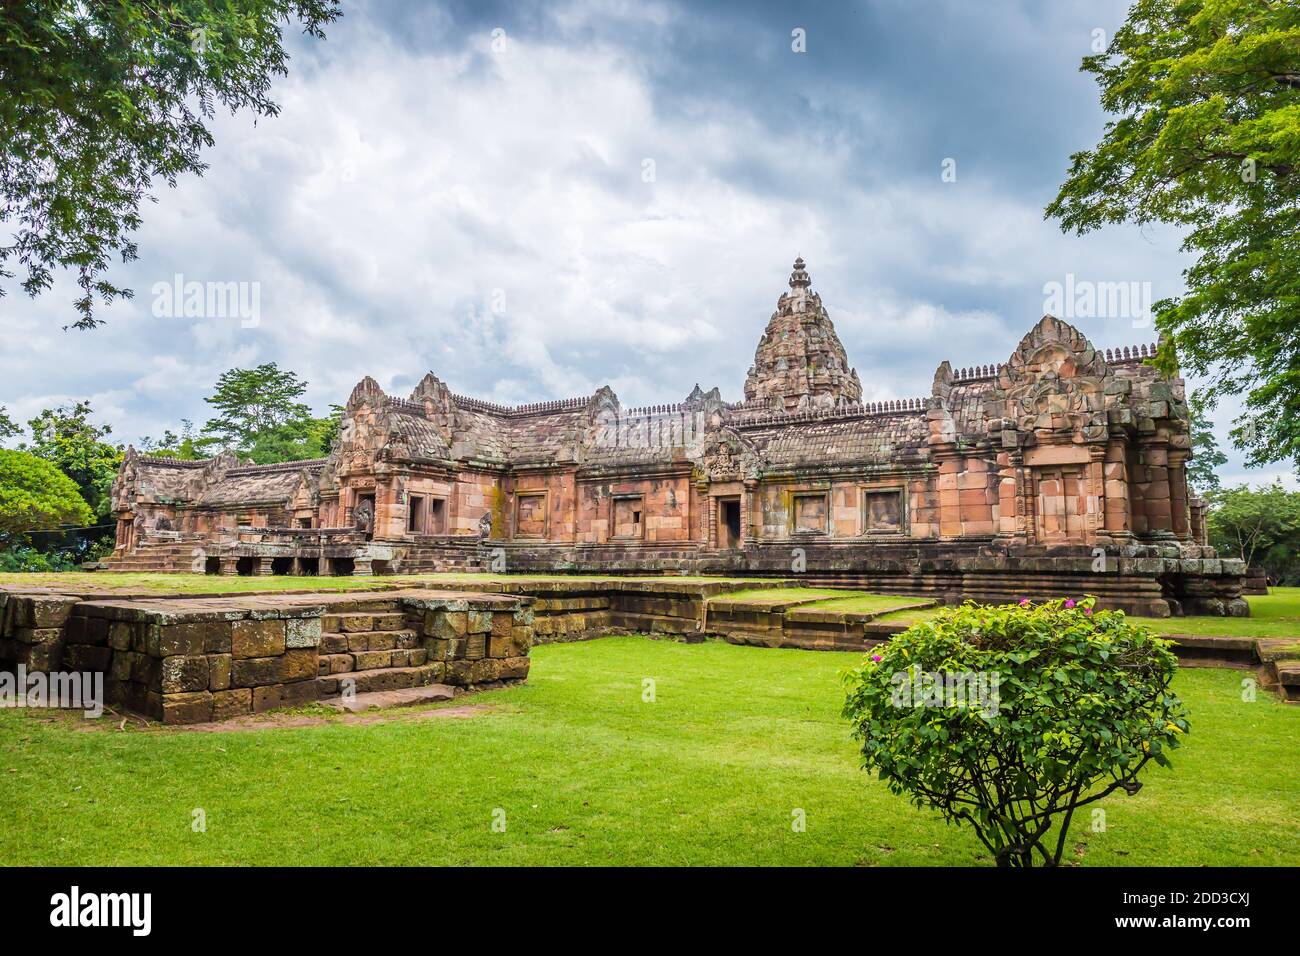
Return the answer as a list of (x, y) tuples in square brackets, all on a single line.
[(254, 639), (381, 641), (84, 657), (182, 674), (170, 640), (119, 636), (484, 670), (254, 671), (51, 611), (187, 708), (514, 668), (447, 624), (122, 665), (219, 666), (284, 695), (299, 664), (231, 703), (302, 632), (368, 660), (480, 622), (333, 643)]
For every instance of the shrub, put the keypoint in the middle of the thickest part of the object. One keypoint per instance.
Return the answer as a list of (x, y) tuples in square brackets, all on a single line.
[(27, 559), (1011, 718)]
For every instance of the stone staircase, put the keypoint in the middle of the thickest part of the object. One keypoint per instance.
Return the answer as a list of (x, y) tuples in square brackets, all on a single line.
[(372, 650), (160, 554)]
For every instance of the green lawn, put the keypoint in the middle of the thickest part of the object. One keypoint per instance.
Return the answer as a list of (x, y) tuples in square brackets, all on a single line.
[(1276, 614), (862, 603), (770, 595), (737, 739)]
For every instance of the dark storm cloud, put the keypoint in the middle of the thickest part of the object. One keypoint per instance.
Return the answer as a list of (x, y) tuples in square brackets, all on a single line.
[(432, 159)]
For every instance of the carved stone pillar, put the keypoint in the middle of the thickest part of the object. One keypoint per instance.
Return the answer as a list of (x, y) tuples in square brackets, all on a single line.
[(229, 567), (1096, 475), (1179, 508), (747, 502), (713, 523), (262, 566), (1118, 511)]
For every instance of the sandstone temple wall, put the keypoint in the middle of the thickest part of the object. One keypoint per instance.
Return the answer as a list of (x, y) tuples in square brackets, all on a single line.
[(1063, 451)]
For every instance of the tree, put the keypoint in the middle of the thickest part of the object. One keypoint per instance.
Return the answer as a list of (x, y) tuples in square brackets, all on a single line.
[(1261, 526), (1206, 457), (98, 100), (7, 427), (35, 496), (183, 447), (1207, 94), (67, 439), (261, 417), (1009, 719)]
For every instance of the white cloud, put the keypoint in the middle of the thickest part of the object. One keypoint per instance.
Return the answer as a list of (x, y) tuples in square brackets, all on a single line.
[(405, 188)]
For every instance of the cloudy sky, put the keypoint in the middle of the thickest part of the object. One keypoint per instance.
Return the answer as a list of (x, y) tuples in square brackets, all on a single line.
[(533, 201)]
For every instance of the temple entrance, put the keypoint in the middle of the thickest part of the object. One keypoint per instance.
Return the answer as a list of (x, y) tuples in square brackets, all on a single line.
[(728, 523), (1060, 516)]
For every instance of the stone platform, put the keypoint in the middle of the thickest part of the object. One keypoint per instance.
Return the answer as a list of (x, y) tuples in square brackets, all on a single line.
[(196, 659)]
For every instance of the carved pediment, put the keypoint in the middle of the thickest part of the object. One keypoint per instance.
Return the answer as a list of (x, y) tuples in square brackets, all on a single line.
[(727, 457)]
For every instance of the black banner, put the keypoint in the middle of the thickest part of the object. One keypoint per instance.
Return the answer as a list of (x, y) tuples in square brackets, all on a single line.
[(338, 905)]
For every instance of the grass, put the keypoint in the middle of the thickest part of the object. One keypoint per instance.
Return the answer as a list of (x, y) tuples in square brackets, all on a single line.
[(736, 740), (861, 603), (770, 595), (1272, 616), (1276, 614)]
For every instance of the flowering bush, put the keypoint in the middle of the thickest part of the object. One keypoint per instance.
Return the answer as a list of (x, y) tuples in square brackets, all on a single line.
[(1009, 718)]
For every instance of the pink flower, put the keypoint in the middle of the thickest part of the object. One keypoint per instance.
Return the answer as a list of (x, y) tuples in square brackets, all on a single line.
[(1088, 611), (875, 657), (1024, 602), (1069, 602)]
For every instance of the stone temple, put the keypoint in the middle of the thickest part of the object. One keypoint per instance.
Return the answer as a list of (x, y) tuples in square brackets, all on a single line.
[(1060, 471)]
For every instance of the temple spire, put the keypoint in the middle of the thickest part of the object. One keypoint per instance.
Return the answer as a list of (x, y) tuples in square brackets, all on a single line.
[(799, 278), (800, 362)]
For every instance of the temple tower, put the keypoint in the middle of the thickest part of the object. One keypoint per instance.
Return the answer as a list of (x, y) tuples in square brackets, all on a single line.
[(800, 362)]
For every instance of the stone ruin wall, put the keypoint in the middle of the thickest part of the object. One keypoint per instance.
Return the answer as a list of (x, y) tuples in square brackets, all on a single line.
[(184, 661)]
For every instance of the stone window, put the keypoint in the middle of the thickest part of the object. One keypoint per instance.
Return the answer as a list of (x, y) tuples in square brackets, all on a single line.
[(437, 521), (810, 513), (415, 514), (628, 517), (882, 511), (530, 516)]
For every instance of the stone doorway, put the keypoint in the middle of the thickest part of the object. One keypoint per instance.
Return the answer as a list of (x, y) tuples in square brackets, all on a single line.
[(728, 523)]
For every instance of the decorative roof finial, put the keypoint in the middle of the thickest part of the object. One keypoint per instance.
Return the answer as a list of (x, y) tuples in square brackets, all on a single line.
[(799, 278)]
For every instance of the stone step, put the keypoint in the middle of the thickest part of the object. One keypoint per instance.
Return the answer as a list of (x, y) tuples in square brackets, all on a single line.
[(352, 642), (372, 660), (383, 699), (380, 679), (356, 621)]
